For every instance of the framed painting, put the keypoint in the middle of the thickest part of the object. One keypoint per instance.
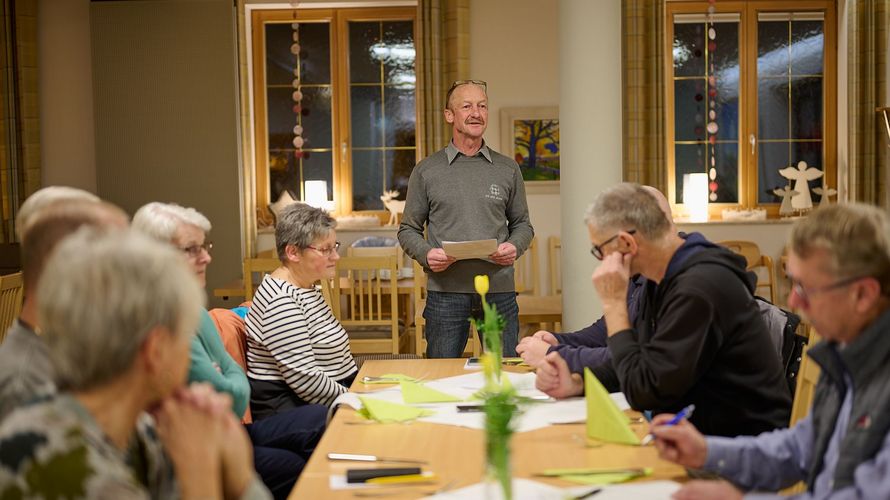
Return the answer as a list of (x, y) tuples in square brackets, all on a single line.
[(531, 137)]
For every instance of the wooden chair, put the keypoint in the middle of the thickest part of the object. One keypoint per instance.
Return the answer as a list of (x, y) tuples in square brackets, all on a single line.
[(525, 271), (803, 395), (473, 347), (11, 297), (554, 252), (376, 252), (751, 252), (371, 321), (260, 266)]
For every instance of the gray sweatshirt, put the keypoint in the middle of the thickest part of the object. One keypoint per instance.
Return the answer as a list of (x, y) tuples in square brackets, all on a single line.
[(461, 198)]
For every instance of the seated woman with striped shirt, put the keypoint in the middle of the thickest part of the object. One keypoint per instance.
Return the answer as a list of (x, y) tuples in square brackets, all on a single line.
[(297, 351)]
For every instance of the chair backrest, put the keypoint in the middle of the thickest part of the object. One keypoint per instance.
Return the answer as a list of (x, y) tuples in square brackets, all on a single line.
[(525, 270), (806, 380), (362, 298), (554, 254), (11, 297), (473, 347), (766, 277), (260, 266)]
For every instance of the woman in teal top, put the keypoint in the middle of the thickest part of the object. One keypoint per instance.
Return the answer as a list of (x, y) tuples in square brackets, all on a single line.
[(282, 443)]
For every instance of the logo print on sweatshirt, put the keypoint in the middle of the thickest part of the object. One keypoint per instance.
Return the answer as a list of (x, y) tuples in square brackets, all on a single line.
[(494, 193)]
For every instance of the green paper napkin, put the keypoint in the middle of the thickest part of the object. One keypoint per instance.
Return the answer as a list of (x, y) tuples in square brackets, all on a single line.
[(384, 411), (414, 393), (611, 478), (605, 422), (390, 378)]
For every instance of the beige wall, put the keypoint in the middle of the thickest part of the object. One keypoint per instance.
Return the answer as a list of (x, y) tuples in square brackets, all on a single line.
[(66, 94), (514, 46)]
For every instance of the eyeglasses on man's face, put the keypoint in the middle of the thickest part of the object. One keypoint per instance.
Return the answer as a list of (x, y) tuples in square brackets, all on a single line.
[(804, 293), (597, 250), (326, 251), (194, 251)]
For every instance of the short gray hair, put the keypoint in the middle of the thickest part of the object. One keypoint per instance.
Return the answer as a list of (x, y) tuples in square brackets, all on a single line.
[(299, 225), (43, 198), (105, 292), (856, 237), (161, 220), (628, 206)]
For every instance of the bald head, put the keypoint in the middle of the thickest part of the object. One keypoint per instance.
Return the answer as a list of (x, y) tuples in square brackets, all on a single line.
[(663, 202), (54, 222)]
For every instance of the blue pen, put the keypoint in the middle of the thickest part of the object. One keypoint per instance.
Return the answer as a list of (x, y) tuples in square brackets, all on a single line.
[(684, 413)]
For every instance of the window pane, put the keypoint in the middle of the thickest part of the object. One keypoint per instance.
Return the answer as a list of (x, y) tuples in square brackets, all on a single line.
[(280, 62), (726, 165), (772, 108), (364, 37), (690, 103), (689, 159), (280, 104), (367, 116), (807, 43), (367, 179), (772, 48), (315, 117), (771, 157), (806, 107), (284, 173), (315, 53), (399, 163), (319, 165), (397, 53), (689, 51), (400, 117)]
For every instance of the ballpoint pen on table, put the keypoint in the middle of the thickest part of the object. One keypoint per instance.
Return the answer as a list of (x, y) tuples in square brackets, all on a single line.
[(370, 458), (684, 413)]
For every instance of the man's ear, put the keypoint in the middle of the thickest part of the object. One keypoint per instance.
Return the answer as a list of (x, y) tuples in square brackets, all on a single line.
[(292, 253), (152, 350), (868, 293), (449, 116), (629, 244)]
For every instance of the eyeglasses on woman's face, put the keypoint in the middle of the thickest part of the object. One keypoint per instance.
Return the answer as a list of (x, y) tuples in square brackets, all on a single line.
[(326, 251), (194, 251)]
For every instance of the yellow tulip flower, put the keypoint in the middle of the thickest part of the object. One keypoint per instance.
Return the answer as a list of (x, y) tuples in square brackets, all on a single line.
[(481, 283)]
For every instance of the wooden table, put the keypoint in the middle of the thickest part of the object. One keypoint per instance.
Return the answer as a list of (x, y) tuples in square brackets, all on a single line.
[(457, 453)]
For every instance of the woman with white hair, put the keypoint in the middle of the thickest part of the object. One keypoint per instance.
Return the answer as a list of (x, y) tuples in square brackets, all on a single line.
[(297, 351), (282, 444), (117, 315)]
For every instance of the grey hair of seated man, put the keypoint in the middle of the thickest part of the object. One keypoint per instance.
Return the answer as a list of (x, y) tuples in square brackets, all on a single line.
[(161, 220), (628, 206), (299, 225), (855, 235), (45, 197), (102, 294)]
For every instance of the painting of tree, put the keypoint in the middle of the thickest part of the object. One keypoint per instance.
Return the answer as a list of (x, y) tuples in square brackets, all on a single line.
[(536, 148)]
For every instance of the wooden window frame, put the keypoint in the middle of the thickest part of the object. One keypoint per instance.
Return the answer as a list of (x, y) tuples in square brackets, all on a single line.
[(748, 11), (341, 150)]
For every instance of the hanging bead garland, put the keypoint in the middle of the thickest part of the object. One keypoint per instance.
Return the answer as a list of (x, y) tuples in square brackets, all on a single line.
[(712, 127), (297, 94)]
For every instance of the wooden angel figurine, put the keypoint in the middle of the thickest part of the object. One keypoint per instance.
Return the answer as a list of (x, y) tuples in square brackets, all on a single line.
[(801, 176), (786, 193), (826, 193)]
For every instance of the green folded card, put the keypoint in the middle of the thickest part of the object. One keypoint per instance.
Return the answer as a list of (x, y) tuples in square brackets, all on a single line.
[(388, 378), (414, 393), (605, 421), (607, 478), (385, 412)]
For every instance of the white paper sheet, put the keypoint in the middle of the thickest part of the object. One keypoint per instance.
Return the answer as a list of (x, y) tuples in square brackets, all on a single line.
[(527, 489)]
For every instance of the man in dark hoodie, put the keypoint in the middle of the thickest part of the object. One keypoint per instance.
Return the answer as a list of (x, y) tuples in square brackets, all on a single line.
[(698, 337)]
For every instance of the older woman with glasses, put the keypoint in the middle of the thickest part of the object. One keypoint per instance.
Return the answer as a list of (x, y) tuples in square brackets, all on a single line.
[(282, 444), (297, 351)]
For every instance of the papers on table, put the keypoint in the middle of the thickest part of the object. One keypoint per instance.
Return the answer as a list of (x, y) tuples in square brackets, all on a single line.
[(535, 415), (525, 488), (476, 249)]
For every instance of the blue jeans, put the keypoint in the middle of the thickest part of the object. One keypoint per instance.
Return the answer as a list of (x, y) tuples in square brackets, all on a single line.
[(283, 443), (448, 315)]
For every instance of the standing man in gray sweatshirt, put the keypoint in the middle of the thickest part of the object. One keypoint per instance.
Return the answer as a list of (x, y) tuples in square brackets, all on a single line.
[(466, 192)]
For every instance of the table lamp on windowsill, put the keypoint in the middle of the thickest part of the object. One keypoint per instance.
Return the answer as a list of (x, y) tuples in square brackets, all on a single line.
[(316, 194), (695, 196)]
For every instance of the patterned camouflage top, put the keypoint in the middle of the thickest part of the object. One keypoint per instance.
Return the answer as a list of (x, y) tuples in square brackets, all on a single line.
[(55, 449)]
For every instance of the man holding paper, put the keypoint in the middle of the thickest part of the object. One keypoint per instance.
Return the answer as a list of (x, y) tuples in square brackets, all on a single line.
[(839, 267), (467, 193), (697, 338)]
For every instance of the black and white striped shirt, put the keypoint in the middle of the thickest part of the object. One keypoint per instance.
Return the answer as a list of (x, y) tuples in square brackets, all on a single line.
[(292, 335)]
